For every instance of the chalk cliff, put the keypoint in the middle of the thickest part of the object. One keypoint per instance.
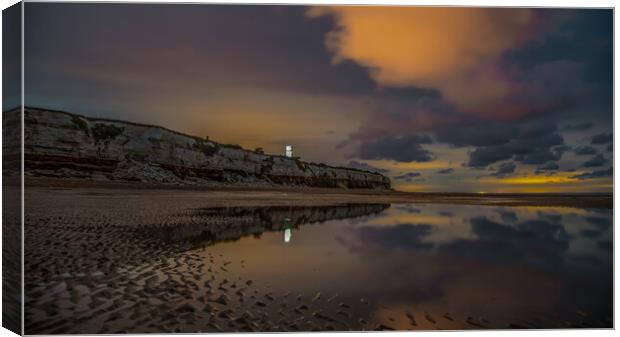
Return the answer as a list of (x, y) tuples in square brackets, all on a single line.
[(61, 144)]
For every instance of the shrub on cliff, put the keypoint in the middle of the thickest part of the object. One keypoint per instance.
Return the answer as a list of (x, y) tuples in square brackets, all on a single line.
[(232, 146), (300, 165), (106, 132), (207, 148), (81, 124)]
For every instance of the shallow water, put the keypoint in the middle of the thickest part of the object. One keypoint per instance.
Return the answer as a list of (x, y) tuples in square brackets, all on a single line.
[(448, 266), (110, 263)]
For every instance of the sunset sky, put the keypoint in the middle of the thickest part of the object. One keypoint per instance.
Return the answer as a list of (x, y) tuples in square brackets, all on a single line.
[(438, 99)]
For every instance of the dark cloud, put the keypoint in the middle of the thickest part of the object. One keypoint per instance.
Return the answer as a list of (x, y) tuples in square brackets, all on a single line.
[(365, 166), (550, 166), (610, 148), (401, 236), (585, 150), (409, 110), (407, 177), (578, 127), (505, 169), (585, 40), (596, 161), (539, 156), (482, 135), (483, 156), (594, 174), (446, 171), (529, 148), (405, 148), (602, 138), (562, 148), (489, 133)]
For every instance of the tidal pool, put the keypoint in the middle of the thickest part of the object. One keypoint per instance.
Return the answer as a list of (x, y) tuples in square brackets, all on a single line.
[(433, 266)]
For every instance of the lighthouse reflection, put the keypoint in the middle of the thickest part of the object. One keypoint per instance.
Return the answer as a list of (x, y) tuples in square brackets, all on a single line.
[(288, 234), (287, 230)]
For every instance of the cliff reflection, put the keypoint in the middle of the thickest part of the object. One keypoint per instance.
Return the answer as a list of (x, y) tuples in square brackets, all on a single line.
[(206, 226)]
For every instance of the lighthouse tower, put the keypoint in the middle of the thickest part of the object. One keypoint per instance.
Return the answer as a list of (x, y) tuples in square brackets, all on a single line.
[(288, 151)]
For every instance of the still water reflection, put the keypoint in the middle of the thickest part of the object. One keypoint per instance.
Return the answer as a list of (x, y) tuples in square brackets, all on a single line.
[(426, 266)]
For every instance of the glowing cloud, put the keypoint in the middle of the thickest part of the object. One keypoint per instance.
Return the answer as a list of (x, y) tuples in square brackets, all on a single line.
[(454, 50)]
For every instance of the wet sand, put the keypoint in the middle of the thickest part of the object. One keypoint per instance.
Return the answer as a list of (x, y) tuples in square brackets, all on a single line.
[(101, 262), (105, 260), (241, 196)]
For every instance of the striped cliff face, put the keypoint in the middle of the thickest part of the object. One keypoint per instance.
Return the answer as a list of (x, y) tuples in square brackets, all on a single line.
[(60, 144)]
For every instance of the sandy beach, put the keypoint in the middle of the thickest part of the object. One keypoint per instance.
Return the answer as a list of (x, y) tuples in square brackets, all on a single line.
[(239, 195), (106, 259)]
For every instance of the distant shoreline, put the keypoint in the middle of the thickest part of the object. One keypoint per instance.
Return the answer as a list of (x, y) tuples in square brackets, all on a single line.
[(249, 195)]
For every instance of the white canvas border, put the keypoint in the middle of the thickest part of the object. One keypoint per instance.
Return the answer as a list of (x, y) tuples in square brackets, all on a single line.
[(486, 3)]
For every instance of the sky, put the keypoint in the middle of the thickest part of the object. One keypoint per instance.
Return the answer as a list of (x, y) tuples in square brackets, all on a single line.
[(438, 99)]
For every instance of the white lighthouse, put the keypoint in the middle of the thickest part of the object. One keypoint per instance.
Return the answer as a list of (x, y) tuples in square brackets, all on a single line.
[(288, 151)]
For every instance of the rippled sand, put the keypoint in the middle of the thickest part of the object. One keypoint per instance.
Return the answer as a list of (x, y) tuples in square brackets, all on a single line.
[(96, 264)]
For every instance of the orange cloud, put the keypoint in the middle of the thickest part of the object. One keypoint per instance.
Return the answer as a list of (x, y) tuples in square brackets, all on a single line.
[(451, 49)]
